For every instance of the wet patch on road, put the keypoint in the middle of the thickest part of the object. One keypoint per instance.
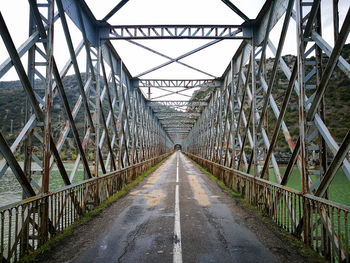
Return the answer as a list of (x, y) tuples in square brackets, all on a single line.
[(154, 198), (198, 192), (136, 192)]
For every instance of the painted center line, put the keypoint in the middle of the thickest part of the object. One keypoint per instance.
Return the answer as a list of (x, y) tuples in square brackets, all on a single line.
[(177, 169), (177, 251)]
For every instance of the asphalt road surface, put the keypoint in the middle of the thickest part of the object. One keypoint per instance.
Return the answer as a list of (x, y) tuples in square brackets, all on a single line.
[(176, 214)]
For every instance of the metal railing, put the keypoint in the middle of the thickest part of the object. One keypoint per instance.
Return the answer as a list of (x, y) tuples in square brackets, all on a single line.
[(25, 226), (320, 223)]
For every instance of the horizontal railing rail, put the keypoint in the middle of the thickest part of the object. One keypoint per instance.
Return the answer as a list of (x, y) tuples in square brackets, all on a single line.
[(26, 225), (321, 224)]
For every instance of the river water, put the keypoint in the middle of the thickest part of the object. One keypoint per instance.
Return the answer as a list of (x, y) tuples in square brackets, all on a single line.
[(11, 190)]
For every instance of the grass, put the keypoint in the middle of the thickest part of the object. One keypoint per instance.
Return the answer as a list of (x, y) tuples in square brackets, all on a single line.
[(89, 215), (338, 190)]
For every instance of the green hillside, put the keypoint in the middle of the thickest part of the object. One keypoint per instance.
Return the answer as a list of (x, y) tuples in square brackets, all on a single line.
[(13, 102)]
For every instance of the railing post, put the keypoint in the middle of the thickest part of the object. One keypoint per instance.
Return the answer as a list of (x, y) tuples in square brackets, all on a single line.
[(43, 231)]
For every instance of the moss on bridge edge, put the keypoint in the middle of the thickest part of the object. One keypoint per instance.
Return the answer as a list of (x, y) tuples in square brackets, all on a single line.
[(89, 215)]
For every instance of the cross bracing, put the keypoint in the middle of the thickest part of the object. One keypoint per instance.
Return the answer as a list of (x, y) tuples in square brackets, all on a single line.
[(143, 83), (178, 32), (130, 118)]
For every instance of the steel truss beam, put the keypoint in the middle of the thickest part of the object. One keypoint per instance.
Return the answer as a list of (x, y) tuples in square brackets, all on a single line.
[(176, 83), (178, 32), (177, 126), (177, 130), (166, 115), (178, 103)]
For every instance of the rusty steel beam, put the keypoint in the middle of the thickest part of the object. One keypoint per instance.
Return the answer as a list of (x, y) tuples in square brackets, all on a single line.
[(48, 101), (29, 91), (59, 81)]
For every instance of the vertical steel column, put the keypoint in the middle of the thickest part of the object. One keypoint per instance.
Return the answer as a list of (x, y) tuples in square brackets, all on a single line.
[(300, 78), (110, 118), (28, 142), (48, 100), (302, 132), (254, 155), (97, 113), (322, 111), (232, 123)]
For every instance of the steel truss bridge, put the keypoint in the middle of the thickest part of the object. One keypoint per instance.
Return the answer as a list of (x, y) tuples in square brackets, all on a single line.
[(127, 130)]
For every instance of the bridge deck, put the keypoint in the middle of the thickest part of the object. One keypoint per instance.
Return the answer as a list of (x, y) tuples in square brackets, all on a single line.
[(140, 226)]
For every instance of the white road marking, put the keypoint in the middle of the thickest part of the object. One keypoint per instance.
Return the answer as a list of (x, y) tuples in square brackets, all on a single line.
[(177, 168), (177, 251)]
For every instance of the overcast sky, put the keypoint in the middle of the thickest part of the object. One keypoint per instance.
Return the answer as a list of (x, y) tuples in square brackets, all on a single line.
[(213, 60)]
